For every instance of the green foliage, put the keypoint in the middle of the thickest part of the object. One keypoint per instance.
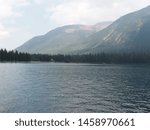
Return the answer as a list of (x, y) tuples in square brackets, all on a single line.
[(109, 58), (13, 56), (95, 58)]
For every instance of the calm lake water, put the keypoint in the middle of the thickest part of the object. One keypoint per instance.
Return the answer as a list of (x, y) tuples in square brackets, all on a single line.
[(60, 87)]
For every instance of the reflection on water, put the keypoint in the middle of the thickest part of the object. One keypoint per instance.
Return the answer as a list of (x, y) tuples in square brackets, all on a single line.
[(60, 87)]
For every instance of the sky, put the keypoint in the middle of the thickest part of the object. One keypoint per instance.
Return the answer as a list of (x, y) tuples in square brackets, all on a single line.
[(20, 20)]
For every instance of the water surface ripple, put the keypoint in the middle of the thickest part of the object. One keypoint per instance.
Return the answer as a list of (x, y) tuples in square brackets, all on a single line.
[(62, 87)]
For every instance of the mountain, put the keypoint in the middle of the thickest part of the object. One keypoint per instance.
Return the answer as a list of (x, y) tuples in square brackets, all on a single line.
[(130, 33), (66, 39)]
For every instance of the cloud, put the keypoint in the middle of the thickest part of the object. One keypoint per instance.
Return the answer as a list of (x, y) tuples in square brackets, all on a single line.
[(8, 7), (39, 2), (69, 13), (8, 12), (5, 9), (21, 2), (6, 32), (3, 32), (91, 11)]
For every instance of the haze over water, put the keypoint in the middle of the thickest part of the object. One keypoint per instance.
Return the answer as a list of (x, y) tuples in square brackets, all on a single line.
[(67, 87)]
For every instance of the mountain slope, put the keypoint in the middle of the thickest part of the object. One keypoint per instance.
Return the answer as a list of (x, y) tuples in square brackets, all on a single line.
[(130, 33), (64, 39)]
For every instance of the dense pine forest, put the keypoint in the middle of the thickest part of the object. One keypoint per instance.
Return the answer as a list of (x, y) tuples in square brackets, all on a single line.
[(15, 56)]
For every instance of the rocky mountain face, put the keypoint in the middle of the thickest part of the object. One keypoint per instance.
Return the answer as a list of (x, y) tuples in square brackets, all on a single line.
[(130, 33)]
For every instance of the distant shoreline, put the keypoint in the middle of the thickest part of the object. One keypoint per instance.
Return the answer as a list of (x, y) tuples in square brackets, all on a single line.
[(100, 58)]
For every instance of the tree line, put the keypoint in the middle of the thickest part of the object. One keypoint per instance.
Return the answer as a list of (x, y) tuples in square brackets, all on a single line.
[(119, 58), (15, 56)]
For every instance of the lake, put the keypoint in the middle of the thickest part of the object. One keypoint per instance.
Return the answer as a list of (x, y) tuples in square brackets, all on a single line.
[(68, 87)]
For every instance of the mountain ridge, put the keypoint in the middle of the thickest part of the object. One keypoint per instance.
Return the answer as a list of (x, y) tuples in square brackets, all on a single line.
[(129, 33), (68, 34), (121, 35)]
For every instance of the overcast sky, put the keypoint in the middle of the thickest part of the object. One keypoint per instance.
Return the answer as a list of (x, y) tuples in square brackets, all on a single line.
[(21, 20)]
